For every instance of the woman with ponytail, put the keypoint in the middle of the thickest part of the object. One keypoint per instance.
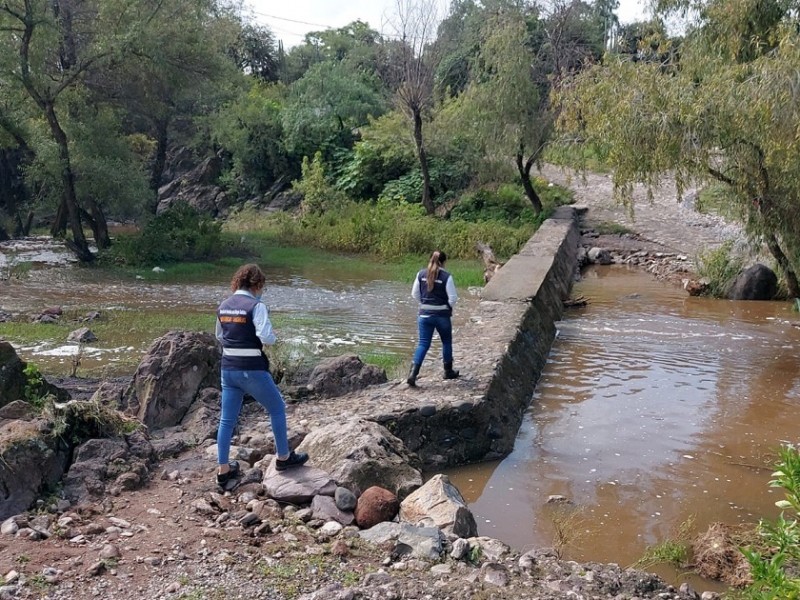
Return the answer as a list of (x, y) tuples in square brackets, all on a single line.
[(435, 291)]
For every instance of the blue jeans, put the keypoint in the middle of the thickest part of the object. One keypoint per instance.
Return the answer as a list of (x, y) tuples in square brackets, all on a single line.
[(258, 384), (427, 325)]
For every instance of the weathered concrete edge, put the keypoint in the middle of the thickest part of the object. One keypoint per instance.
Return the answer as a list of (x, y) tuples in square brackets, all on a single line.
[(533, 285)]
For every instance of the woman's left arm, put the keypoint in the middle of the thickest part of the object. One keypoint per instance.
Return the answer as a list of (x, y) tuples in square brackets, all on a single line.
[(452, 295), (263, 325)]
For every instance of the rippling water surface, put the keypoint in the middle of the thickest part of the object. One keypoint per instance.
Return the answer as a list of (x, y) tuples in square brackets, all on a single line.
[(653, 408), (321, 309)]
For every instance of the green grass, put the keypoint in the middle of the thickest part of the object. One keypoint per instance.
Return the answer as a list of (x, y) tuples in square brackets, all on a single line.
[(393, 364), (674, 550), (717, 200), (576, 155), (611, 228)]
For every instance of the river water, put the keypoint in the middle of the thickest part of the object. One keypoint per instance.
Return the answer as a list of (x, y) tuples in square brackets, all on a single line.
[(654, 409)]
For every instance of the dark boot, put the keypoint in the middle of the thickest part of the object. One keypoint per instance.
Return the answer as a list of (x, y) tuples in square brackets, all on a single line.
[(449, 373), (412, 375)]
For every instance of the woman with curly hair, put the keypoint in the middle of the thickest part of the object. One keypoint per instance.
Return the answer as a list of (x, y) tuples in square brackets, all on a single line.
[(243, 328)]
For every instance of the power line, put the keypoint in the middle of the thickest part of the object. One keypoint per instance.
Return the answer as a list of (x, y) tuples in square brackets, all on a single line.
[(327, 27)]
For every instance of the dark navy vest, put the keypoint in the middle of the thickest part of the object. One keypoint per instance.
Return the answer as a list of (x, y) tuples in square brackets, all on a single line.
[(241, 347), (434, 302)]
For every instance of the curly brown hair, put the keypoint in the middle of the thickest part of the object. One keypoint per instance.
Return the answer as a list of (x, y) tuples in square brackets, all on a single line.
[(248, 277)]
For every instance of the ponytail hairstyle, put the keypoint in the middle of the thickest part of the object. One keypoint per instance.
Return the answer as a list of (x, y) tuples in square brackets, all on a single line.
[(437, 261), (248, 277)]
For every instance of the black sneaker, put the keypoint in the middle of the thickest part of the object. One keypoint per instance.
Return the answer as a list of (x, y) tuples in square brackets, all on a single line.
[(295, 459), (224, 478)]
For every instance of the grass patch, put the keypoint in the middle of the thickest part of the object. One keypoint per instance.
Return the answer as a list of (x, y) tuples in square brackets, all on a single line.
[(576, 155), (717, 200), (393, 364), (674, 550), (383, 230), (719, 267), (611, 228)]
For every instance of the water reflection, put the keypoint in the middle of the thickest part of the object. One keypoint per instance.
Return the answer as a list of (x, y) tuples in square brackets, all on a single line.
[(653, 408)]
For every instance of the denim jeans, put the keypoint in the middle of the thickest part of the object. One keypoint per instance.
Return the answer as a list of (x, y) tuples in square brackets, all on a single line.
[(258, 384), (427, 325)]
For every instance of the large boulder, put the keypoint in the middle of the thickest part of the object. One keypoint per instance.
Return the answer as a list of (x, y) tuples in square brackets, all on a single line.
[(297, 486), (198, 188), (341, 375), (175, 369), (13, 381), (31, 460), (12, 377), (101, 465), (758, 282), (376, 505), (360, 454), (439, 503)]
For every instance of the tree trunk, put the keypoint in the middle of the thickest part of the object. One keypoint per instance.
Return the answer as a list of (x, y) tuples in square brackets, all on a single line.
[(785, 265), (97, 221), (524, 170), (78, 245), (59, 227), (427, 200), (160, 161)]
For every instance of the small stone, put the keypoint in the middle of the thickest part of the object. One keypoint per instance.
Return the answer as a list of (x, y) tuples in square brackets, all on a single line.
[(96, 569), (9, 527), (331, 528), (110, 551)]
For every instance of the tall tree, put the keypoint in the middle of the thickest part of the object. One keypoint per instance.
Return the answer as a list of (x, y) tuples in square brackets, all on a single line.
[(179, 68), (49, 47), (414, 24), (728, 113)]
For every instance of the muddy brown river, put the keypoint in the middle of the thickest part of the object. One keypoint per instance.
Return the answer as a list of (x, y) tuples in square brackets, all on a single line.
[(653, 409)]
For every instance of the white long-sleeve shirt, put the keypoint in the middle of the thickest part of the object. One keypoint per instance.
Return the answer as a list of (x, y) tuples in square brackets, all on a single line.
[(261, 322)]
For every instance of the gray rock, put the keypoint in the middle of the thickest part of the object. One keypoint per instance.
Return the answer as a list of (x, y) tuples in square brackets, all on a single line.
[(440, 503), (324, 507), (83, 335), (340, 375), (460, 549), (420, 542), (758, 282), (360, 454), (175, 369), (345, 499), (297, 486), (599, 256)]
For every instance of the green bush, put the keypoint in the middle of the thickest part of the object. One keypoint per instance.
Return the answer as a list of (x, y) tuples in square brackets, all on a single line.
[(508, 204), (389, 229), (774, 571), (178, 234), (719, 267)]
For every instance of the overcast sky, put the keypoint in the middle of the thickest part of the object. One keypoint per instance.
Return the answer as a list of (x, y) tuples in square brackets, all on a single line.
[(292, 19)]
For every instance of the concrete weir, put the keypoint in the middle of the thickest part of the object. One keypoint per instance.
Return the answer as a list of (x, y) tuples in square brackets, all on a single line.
[(501, 353)]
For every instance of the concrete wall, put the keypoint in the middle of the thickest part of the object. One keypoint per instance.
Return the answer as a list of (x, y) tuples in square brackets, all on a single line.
[(511, 333), (500, 352)]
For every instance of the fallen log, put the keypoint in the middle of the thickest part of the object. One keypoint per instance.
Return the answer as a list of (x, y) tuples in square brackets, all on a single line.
[(491, 264)]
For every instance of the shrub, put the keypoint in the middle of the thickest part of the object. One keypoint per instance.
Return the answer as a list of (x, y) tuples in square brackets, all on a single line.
[(775, 570), (719, 267), (389, 229), (508, 204), (178, 234)]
